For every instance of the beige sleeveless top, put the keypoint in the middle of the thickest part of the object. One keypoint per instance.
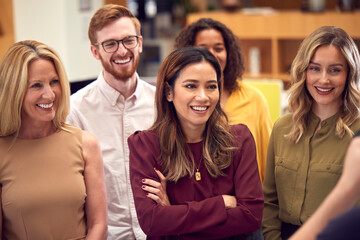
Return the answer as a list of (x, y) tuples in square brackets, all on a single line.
[(43, 188)]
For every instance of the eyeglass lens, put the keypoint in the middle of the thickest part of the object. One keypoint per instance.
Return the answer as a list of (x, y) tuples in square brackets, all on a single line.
[(113, 45)]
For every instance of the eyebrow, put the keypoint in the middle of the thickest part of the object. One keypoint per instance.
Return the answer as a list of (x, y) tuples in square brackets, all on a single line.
[(332, 65), (196, 81)]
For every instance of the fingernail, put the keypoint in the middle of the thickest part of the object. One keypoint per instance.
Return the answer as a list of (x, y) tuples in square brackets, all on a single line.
[(155, 169), (143, 180), (147, 194), (142, 186)]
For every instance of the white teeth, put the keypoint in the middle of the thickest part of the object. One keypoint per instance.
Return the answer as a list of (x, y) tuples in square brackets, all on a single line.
[(199, 108), (323, 89), (119, 61), (46, 105)]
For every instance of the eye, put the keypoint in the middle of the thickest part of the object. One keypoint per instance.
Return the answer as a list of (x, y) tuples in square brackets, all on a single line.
[(219, 49), (190, 86), (213, 86), (313, 68), (109, 44), (129, 41), (334, 70), (55, 81), (36, 85)]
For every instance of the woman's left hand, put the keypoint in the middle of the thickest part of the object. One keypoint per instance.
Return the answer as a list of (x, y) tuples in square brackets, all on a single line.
[(156, 190)]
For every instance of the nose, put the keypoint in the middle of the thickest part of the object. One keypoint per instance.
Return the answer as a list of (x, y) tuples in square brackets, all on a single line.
[(201, 94), (121, 49), (48, 93), (324, 77)]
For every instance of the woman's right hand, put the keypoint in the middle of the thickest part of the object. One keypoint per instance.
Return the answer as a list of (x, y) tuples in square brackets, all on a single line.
[(156, 190), (230, 201)]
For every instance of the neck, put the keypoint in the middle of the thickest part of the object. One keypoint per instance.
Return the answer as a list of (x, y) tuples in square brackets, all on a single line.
[(36, 131), (125, 87), (194, 135), (324, 112), (224, 97)]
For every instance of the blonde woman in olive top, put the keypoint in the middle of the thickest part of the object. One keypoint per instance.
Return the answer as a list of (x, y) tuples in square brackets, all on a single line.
[(307, 147)]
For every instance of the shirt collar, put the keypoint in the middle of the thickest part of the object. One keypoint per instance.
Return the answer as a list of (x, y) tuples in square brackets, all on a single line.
[(112, 95)]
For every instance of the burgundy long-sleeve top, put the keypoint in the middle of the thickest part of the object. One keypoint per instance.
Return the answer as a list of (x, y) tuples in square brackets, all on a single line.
[(197, 208)]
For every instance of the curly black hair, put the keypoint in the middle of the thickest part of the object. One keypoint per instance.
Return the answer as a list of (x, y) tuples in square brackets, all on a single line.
[(234, 65)]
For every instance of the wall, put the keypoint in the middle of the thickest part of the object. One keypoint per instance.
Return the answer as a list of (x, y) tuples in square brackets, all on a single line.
[(63, 25), (6, 26)]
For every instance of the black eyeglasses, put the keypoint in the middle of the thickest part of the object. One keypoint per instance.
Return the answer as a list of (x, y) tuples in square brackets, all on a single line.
[(111, 46)]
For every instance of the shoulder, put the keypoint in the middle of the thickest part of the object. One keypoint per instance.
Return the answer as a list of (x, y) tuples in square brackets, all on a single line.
[(89, 139), (251, 90), (90, 145), (146, 86), (253, 94), (241, 133), (356, 125), (84, 92), (145, 136), (239, 129), (284, 121)]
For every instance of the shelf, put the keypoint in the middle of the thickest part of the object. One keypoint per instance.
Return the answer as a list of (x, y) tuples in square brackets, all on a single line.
[(278, 36)]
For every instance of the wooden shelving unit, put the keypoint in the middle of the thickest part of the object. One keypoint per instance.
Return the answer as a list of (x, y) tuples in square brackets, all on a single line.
[(278, 35)]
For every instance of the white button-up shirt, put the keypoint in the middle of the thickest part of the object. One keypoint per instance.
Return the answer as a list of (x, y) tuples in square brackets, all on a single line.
[(103, 111)]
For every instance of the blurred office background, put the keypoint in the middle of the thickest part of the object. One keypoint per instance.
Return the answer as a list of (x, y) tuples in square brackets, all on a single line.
[(269, 31)]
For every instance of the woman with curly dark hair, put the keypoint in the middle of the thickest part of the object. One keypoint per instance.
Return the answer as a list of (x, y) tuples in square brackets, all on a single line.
[(241, 102)]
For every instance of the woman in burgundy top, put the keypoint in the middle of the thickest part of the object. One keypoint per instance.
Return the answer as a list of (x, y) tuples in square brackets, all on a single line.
[(192, 175)]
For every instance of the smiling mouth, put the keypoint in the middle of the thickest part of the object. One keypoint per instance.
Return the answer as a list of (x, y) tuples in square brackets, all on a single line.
[(122, 61), (199, 108), (46, 106), (324, 89)]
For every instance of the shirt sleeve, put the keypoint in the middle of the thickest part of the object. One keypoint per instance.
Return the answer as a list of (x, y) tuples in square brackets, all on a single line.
[(207, 219), (271, 224), (264, 126)]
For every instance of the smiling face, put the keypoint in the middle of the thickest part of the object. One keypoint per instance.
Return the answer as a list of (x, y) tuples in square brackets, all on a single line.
[(122, 64), (326, 78), (42, 94), (195, 95), (213, 41)]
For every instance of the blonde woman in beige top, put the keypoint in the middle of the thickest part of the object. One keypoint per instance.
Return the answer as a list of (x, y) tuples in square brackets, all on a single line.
[(51, 173)]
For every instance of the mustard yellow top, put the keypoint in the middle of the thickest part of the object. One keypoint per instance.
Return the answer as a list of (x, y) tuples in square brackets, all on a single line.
[(249, 106)]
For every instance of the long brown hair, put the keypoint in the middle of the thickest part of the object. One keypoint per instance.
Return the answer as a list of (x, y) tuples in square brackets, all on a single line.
[(300, 100), (217, 140)]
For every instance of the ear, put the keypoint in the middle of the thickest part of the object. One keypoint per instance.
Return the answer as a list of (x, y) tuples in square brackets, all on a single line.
[(140, 44), (169, 93), (95, 52)]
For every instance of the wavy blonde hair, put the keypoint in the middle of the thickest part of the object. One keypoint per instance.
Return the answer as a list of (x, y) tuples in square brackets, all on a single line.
[(300, 101), (217, 139), (13, 84)]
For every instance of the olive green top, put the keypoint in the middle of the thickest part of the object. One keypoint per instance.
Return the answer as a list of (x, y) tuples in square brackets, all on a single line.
[(299, 176)]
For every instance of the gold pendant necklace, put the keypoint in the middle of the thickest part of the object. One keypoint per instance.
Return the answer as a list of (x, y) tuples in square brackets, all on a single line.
[(197, 174)]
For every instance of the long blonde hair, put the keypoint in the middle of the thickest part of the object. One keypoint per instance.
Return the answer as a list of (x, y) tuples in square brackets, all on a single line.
[(13, 84), (218, 141), (300, 101)]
